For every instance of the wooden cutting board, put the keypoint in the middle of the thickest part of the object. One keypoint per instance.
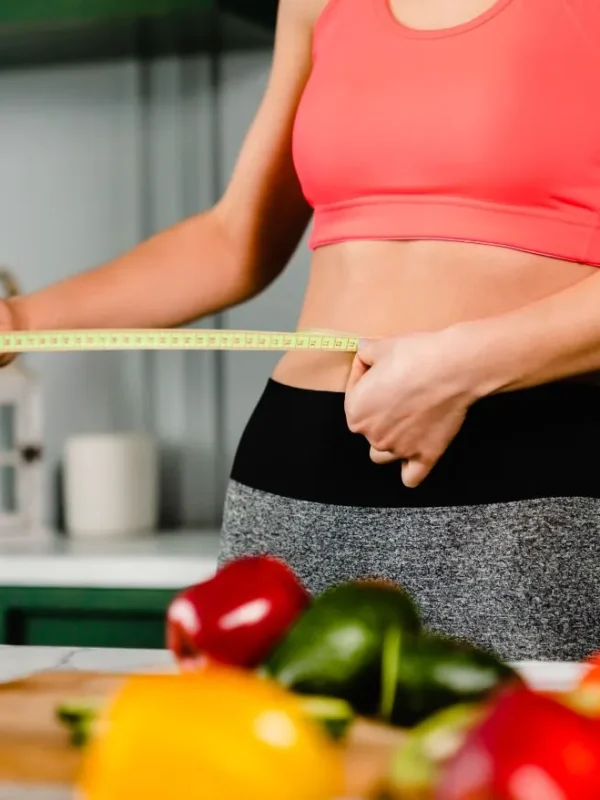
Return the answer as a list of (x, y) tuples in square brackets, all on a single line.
[(35, 748)]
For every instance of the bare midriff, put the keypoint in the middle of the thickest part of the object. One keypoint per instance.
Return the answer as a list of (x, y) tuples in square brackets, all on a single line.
[(384, 288)]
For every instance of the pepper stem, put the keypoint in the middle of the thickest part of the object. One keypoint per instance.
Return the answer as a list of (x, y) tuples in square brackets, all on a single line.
[(390, 668)]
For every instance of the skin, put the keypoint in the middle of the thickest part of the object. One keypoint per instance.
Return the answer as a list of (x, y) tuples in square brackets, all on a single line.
[(444, 323)]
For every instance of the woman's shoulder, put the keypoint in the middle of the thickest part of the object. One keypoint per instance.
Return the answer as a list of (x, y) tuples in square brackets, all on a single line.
[(303, 15), (312, 10)]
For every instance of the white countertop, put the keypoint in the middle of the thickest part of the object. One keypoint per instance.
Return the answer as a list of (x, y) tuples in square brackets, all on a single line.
[(166, 560), (20, 662)]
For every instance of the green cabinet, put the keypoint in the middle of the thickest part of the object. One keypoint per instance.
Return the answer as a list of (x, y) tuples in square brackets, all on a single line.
[(82, 617), (47, 31), (58, 12)]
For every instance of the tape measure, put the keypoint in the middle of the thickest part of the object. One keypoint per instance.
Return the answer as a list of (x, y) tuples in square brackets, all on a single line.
[(168, 339)]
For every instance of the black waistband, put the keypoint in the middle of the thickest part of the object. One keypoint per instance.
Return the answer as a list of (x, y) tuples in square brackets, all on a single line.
[(541, 442)]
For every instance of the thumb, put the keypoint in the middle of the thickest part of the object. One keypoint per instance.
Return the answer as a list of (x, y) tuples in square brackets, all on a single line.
[(369, 350), (358, 369), (414, 472)]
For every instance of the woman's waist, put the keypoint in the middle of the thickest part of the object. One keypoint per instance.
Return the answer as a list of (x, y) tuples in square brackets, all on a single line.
[(379, 289)]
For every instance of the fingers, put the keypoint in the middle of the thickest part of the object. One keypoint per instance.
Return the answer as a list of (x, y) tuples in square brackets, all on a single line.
[(9, 319), (368, 351), (358, 370), (382, 456), (414, 472), (371, 349)]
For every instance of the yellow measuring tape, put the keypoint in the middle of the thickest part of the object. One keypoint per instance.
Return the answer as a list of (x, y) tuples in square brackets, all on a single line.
[(168, 339)]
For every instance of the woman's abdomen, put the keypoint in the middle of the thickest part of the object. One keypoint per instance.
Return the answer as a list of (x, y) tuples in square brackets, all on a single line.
[(374, 289)]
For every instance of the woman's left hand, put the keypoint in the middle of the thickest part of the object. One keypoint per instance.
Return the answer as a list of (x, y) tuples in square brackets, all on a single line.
[(409, 397)]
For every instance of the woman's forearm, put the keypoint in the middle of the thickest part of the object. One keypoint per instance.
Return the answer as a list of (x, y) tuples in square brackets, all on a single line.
[(190, 270), (554, 338)]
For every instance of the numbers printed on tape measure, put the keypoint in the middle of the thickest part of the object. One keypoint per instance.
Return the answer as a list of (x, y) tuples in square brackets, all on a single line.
[(134, 339)]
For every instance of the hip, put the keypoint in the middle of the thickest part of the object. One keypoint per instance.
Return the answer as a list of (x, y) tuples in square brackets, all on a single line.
[(535, 443), (500, 545)]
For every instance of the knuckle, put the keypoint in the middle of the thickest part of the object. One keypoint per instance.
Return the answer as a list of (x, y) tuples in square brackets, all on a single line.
[(350, 411), (427, 459), (354, 420), (385, 441), (382, 458), (353, 425)]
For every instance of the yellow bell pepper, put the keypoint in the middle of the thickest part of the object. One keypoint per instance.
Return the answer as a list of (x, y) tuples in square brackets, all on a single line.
[(220, 734)]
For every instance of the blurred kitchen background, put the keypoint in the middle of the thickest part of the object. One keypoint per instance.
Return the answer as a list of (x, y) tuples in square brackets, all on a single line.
[(116, 120)]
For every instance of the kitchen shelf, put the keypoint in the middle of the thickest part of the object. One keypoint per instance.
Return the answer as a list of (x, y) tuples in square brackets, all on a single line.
[(37, 32)]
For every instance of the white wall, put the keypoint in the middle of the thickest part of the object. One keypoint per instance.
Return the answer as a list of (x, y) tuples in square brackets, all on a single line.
[(93, 159)]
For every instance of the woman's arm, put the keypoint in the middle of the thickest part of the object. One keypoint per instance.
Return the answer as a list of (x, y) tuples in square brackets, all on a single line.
[(553, 338), (217, 258)]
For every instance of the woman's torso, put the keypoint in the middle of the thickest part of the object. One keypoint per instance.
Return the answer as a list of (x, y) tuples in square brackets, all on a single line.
[(382, 287), (394, 288)]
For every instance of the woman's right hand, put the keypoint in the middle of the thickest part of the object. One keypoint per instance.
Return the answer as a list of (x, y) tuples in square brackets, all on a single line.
[(9, 321)]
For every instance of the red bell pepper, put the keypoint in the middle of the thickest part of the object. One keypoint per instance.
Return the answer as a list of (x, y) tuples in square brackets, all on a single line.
[(528, 747), (237, 616)]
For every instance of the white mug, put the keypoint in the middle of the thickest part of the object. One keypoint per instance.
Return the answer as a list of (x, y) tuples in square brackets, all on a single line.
[(110, 484)]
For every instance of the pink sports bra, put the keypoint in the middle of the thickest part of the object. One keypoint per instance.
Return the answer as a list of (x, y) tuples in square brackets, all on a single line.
[(485, 132)]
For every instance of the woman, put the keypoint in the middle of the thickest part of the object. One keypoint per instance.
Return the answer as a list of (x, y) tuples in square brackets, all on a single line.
[(451, 152)]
